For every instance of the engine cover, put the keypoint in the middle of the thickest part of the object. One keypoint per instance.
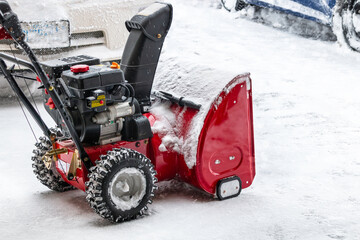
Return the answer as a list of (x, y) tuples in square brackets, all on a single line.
[(87, 91)]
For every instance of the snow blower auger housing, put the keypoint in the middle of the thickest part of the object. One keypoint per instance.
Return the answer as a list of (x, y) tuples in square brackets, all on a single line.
[(105, 142)]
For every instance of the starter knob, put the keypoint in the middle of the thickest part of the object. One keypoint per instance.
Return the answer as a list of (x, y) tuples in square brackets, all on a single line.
[(80, 68)]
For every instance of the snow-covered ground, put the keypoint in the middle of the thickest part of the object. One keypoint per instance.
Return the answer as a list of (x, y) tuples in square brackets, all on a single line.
[(307, 143)]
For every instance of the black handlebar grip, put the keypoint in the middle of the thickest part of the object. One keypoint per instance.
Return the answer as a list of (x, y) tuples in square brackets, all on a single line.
[(4, 8), (179, 101), (189, 104), (9, 20)]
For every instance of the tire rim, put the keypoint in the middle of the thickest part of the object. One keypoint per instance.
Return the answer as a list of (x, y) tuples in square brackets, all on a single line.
[(356, 17), (228, 4), (350, 17), (127, 188)]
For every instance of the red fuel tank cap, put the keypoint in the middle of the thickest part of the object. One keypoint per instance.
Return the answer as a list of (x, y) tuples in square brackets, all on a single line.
[(80, 68)]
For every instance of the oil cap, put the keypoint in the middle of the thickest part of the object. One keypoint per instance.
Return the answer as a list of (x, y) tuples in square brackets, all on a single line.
[(80, 68)]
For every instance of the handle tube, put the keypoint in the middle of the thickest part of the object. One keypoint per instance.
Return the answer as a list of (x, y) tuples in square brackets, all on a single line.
[(10, 22), (17, 60), (23, 99), (58, 103), (177, 100)]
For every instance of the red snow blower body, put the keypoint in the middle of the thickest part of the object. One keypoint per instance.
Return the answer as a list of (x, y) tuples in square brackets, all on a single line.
[(105, 142), (219, 157)]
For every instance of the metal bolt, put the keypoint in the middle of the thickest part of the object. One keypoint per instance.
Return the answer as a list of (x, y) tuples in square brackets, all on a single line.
[(159, 35), (217, 161), (232, 157), (52, 137)]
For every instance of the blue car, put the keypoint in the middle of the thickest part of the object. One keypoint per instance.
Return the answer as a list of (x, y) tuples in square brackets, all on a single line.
[(342, 15)]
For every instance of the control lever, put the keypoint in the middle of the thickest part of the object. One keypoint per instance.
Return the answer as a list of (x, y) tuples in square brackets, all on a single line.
[(179, 101)]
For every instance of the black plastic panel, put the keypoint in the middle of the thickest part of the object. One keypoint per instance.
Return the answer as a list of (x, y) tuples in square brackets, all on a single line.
[(55, 67)]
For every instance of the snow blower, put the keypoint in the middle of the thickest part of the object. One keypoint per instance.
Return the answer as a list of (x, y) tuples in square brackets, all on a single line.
[(115, 138)]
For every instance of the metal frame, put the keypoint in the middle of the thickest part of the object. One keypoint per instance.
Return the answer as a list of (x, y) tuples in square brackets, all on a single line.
[(57, 101), (18, 61), (10, 78)]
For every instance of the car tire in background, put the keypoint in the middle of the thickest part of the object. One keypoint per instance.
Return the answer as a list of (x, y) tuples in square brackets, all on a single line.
[(346, 23), (237, 5)]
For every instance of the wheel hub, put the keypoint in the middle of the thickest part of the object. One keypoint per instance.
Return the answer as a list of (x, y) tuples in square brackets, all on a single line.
[(356, 16), (127, 188)]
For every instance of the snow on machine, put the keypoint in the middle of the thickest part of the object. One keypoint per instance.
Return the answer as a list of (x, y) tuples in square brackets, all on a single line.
[(116, 137)]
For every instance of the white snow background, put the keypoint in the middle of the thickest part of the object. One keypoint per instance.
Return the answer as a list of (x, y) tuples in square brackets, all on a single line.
[(307, 145)]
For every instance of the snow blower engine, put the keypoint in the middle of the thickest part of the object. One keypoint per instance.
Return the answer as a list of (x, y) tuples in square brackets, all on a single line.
[(106, 141)]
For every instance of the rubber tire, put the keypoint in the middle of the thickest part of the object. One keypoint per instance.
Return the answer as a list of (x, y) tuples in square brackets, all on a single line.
[(343, 25), (49, 177), (101, 176), (239, 5)]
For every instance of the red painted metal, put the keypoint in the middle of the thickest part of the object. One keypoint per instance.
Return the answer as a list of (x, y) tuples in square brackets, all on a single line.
[(225, 147), (94, 152), (226, 143), (165, 163), (4, 34)]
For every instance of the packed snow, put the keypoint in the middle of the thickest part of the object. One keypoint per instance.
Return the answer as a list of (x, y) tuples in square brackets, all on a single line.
[(307, 144), (119, 188)]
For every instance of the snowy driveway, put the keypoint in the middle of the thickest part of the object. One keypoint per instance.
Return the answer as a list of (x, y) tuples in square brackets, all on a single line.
[(307, 136)]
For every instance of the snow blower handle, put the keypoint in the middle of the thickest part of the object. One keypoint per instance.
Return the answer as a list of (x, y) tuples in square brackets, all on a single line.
[(11, 28), (179, 101), (10, 22), (9, 77)]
